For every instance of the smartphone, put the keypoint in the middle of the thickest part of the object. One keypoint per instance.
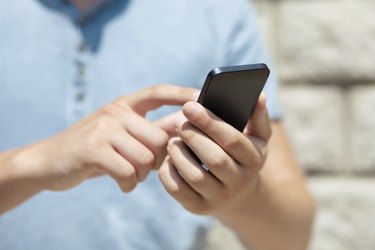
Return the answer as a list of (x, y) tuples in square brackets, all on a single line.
[(231, 93)]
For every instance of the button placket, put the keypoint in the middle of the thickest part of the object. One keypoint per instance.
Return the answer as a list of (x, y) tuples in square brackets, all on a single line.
[(80, 83)]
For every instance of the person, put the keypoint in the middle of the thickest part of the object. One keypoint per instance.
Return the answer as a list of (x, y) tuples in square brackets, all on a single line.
[(78, 100)]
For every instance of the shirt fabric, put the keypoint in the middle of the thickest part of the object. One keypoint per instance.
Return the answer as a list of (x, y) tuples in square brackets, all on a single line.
[(58, 65)]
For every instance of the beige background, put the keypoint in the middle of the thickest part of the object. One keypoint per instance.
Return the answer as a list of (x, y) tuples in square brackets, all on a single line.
[(325, 54)]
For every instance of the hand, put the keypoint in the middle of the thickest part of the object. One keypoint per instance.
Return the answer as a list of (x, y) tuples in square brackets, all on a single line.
[(233, 159), (116, 140)]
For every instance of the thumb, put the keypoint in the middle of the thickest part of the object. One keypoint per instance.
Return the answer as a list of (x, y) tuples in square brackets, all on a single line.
[(259, 124)]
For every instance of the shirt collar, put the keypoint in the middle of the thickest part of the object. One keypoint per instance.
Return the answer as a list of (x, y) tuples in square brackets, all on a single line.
[(79, 17)]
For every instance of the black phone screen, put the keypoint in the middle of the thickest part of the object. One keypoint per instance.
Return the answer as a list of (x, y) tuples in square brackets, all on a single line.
[(232, 92)]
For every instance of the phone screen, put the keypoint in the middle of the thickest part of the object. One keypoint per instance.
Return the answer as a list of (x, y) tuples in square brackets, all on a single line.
[(232, 92)]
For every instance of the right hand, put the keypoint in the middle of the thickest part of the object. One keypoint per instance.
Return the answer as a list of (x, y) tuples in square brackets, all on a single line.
[(116, 140)]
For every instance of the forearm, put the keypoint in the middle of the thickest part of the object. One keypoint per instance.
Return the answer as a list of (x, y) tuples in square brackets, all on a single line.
[(278, 212), (277, 217), (17, 179)]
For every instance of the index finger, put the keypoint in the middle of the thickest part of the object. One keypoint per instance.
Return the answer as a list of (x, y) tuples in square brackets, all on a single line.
[(167, 123), (163, 94), (247, 151)]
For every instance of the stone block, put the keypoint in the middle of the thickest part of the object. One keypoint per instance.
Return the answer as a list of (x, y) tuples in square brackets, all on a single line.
[(345, 213), (222, 238), (313, 118), (266, 12), (344, 217), (362, 100), (327, 41)]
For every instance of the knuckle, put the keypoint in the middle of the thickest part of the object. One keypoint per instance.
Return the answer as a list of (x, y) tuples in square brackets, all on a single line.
[(218, 160), (231, 141), (113, 109), (94, 143), (127, 175), (173, 190), (98, 135), (161, 140), (187, 134), (102, 127), (196, 178), (147, 159)]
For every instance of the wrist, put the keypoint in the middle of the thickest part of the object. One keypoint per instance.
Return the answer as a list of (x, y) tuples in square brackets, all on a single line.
[(19, 179), (25, 166), (243, 204)]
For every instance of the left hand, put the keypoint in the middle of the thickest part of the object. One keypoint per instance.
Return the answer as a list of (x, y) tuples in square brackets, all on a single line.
[(233, 159)]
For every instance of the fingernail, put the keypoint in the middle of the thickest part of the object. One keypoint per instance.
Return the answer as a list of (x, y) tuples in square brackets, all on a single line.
[(172, 141), (263, 98), (180, 119)]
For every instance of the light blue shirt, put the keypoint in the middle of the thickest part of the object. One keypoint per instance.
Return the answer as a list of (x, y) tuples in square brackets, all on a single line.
[(58, 65)]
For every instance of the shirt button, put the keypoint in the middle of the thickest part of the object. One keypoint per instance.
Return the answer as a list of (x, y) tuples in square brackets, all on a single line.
[(81, 71), (80, 97), (82, 47), (82, 21)]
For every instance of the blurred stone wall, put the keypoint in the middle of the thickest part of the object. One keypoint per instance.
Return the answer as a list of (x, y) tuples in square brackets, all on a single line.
[(324, 51)]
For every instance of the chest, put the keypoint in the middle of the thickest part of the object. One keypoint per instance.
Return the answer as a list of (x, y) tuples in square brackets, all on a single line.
[(54, 71)]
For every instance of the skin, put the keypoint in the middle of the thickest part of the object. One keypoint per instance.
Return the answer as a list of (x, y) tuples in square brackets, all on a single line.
[(254, 184), (83, 5), (115, 140)]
